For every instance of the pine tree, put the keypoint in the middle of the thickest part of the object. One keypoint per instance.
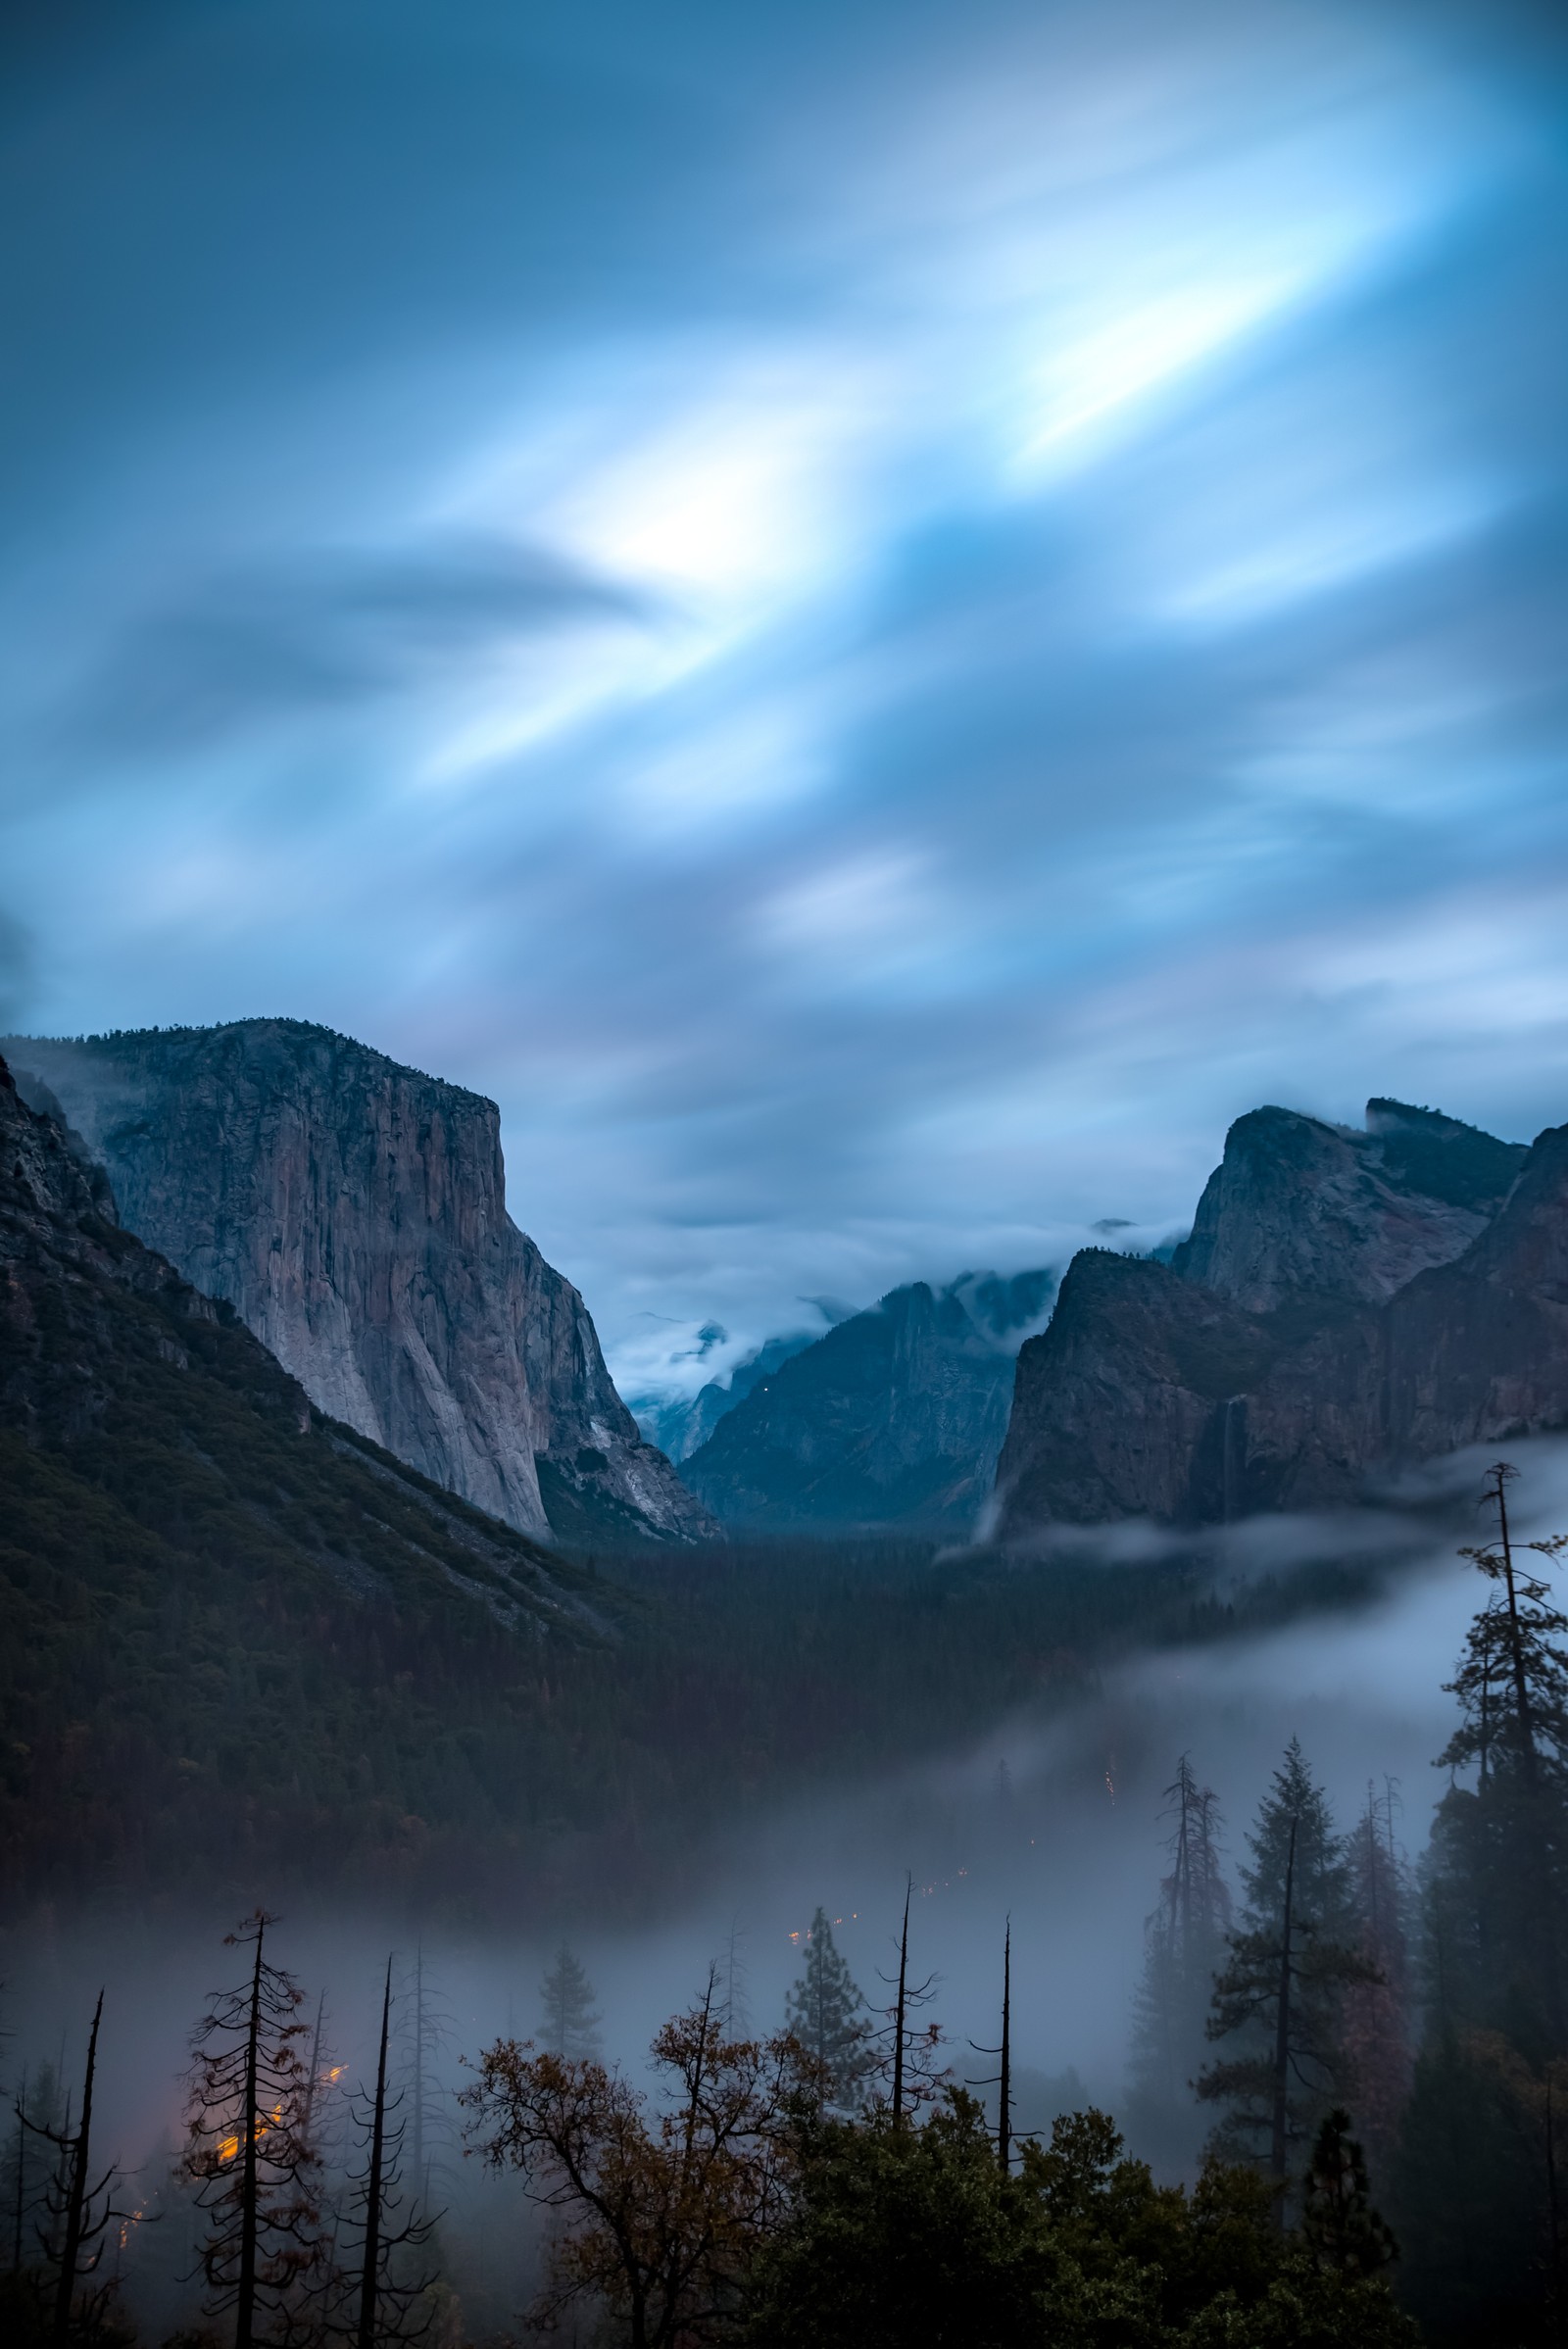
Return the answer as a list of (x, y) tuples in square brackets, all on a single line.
[(1498, 1899), (1338, 2222), (1183, 1948), (246, 2152), (1375, 2022), (826, 2013), (570, 2026), (1278, 1999)]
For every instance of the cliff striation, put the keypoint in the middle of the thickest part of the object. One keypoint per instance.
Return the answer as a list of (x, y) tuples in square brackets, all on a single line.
[(1347, 1303), (354, 1213)]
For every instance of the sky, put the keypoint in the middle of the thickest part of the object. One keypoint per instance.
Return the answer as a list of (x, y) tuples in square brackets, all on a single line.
[(874, 617)]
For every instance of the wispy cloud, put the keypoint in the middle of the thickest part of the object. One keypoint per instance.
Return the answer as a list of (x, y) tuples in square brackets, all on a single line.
[(877, 626)]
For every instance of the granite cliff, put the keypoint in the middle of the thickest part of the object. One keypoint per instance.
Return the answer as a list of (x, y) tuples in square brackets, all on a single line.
[(243, 1644), (354, 1213), (893, 1418), (1347, 1302)]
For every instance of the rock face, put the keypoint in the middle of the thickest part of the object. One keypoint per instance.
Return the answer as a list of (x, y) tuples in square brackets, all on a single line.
[(244, 1646), (1347, 1303), (354, 1214), (893, 1418), (118, 1371), (1298, 1208)]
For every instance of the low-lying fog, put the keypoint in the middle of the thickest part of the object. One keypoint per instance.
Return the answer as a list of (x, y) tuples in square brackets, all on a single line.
[(1056, 1826)]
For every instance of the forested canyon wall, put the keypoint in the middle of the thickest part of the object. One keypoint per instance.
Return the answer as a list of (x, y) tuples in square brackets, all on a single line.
[(1347, 1303), (353, 1211)]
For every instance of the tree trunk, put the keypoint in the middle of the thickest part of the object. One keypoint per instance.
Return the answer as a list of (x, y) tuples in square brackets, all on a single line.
[(1004, 2087), (899, 2009), (250, 2128), (76, 2197), (1278, 2121), (22, 2177), (1516, 1651), (372, 2184)]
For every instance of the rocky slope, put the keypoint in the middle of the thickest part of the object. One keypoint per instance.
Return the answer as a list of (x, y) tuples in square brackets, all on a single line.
[(1347, 1303), (221, 1604), (893, 1418), (354, 1213)]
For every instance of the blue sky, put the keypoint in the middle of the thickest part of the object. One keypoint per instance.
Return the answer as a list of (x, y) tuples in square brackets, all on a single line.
[(875, 617)]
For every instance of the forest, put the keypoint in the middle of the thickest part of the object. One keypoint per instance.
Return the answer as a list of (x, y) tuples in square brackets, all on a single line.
[(1342, 2120)]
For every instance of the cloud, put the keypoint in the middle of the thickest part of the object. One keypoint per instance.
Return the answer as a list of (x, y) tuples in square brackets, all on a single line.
[(525, 549), (326, 629)]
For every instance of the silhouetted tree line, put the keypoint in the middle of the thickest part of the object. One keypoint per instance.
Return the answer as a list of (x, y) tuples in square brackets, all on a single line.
[(1432, 2004), (1335, 2038)]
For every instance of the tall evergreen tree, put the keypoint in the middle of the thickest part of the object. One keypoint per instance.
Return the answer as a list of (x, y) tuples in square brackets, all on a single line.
[(1184, 1949), (826, 2013), (1339, 2224), (1278, 2002), (1498, 1896), (1482, 2201), (1376, 2020), (570, 2026)]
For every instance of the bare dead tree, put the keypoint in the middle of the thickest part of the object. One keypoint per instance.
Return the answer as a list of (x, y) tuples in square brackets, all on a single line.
[(1001, 2080), (907, 2061), (380, 2298), (247, 2152), (77, 2212)]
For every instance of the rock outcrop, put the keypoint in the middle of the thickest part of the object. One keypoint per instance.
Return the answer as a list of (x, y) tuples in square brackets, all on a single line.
[(1347, 1303), (1298, 1208), (354, 1213), (893, 1419), (135, 1384)]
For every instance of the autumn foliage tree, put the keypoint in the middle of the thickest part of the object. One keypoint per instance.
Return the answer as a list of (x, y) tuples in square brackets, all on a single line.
[(661, 2209)]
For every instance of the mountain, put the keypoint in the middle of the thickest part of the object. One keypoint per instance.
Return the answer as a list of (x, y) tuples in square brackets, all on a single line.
[(681, 1424), (894, 1418), (238, 1633), (1347, 1303), (354, 1213)]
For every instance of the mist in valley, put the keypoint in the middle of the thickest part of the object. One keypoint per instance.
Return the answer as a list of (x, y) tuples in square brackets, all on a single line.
[(1052, 1822)]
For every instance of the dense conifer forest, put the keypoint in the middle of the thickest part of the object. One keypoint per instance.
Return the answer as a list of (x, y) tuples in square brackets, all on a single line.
[(1344, 2101)]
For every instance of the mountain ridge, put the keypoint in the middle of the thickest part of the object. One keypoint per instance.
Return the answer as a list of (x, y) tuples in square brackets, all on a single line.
[(891, 1419), (1350, 1302), (353, 1211)]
